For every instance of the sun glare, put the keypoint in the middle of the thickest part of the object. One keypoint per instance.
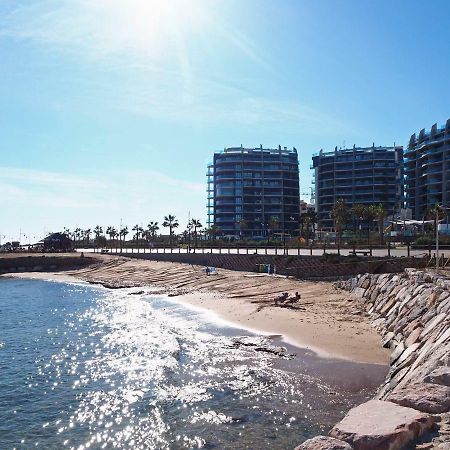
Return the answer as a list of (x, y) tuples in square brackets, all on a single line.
[(145, 25)]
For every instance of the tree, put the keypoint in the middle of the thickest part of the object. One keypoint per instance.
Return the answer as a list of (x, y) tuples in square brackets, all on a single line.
[(431, 214), (98, 230), (77, 235), (196, 224), (212, 232), (308, 220), (340, 215), (87, 235), (122, 234), (274, 224), (152, 227), (380, 216), (112, 233), (170, 222), (243, 225), (370, 213), (358, 212), (137, 234)]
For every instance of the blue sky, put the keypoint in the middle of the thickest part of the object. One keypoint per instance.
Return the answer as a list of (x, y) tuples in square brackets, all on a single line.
[(111, 109)]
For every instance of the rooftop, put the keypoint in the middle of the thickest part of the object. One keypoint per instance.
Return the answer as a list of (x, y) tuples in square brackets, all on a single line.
[(274, 151), (357, 150)]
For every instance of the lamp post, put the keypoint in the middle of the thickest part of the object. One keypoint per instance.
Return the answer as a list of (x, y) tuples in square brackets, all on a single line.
[(438, 208), (437, 237)]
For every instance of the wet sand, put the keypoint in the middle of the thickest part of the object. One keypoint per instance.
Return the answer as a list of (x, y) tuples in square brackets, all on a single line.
[(327, 321)]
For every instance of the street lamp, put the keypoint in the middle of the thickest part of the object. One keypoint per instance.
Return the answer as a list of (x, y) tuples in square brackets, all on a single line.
[(438, 208)]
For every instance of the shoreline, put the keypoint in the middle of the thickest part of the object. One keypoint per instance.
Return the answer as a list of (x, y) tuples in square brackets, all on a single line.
[(326, 321)]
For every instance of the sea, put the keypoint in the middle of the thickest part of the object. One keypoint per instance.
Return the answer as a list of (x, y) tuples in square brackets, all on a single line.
[(85, 367)]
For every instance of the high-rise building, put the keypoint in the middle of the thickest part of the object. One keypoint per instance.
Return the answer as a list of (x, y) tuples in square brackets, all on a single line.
[(367, 176), (254, 190), (427, 170)]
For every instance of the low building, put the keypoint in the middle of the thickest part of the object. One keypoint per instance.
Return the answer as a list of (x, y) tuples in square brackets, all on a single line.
[(57, 242)]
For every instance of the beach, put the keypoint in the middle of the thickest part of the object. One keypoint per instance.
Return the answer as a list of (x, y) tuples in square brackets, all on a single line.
[(327, 321)]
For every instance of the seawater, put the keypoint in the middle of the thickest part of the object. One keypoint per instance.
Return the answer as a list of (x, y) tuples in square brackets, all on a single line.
[(83, 367)]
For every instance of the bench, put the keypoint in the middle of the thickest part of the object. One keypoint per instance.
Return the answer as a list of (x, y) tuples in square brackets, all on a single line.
[(361, 252)]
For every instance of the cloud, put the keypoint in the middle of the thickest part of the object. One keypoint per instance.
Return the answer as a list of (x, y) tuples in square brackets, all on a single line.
[(36, 200)]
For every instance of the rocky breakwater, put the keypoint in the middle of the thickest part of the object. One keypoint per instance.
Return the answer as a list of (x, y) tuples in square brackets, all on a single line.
[(411, 311)]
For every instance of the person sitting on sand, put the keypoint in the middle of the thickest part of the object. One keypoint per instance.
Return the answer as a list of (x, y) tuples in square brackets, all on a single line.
[(295, 298), (282, 298)]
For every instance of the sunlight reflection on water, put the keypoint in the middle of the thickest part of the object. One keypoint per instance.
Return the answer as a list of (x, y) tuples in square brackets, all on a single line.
[(105, 369)]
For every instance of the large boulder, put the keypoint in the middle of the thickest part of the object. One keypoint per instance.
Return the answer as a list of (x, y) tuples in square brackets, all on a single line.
[(323, 443), (426, 397), (381, 425), (440, 375)]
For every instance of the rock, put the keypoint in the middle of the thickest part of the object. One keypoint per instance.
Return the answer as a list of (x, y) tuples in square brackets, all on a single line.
[(432, 324), (413, 337), (323, 443), (397, 352), (381, 425), (387, 339), (425, 397), (439, 376)]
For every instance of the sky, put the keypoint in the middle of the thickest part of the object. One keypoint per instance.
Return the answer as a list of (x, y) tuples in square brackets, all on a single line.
[(111, 110)]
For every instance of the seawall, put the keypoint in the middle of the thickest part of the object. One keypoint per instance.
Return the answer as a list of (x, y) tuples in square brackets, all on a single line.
[(411, 311), (305, 267), (42, 263)]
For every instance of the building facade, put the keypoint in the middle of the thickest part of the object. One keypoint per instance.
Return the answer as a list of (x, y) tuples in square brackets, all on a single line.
[(367, 176), (427, 170), (254, 192)]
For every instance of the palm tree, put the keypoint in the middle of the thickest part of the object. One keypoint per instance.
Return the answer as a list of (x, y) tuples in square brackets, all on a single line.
[(98, 230), (380, 216), (138, 230), (114, 234), (77, 235), (370, 213), (358, 212), (433, 212), (243, 225), (195, 225), (153, 227), (171, 222), (87, 235), (122, 234), (308, 220), (340, 214), (213, 231), (274, 224)]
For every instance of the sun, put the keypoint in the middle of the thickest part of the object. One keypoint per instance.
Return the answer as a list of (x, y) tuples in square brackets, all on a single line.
[(148, 26)]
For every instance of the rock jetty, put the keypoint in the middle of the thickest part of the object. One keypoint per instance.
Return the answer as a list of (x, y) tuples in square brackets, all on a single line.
[(411, 311)]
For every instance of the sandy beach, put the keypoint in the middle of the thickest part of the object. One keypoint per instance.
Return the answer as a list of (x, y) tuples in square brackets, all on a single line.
[(326, 320)]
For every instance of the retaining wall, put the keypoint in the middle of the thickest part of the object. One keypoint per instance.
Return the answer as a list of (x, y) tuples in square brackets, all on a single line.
[(411, 311), (38, 263), (306, 267)]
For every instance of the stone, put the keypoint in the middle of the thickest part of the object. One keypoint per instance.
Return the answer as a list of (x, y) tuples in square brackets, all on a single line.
[(397, 352), (323, 443), (381, 425), (425, 397), (432, 324), (387, 339), (413, 337), (408, 356), (439, 376)]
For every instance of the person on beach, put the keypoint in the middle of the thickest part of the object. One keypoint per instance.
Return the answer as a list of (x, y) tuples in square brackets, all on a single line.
[(207, 270), (282, 298)]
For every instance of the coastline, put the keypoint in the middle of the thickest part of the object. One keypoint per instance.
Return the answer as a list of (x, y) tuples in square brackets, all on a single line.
[(326, 321)]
